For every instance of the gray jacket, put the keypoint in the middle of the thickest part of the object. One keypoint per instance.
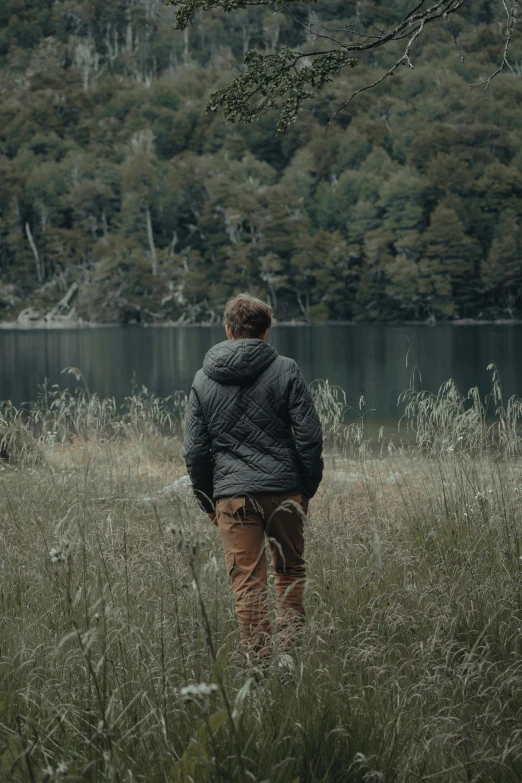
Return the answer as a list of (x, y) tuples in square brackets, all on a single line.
[(251, 425)]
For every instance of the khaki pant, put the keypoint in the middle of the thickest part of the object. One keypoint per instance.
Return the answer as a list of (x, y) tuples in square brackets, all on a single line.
[(243, 523)]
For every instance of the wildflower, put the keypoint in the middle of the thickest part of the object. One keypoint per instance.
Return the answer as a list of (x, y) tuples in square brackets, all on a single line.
[(57, 556), (286, 664), (197, 692), (49, 773)]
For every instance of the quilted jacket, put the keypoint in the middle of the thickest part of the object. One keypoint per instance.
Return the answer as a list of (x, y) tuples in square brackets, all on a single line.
[(251, 425)]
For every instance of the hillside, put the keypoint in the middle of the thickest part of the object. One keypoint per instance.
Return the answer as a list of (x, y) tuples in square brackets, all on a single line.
[(122, 201)]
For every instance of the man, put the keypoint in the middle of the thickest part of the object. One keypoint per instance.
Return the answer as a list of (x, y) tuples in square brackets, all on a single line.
[(253, 449)]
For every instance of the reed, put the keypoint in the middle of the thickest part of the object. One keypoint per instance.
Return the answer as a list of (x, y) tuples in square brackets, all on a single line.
[(119, 652)]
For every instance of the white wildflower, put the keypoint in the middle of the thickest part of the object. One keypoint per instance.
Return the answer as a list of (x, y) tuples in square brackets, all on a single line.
[(56, 555), (51, 774), (197, 692), (286, 663)]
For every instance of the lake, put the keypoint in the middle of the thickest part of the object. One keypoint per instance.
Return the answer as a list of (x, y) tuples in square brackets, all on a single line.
[(367, 360)]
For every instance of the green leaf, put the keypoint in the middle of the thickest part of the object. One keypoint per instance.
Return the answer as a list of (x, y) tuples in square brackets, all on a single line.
[(217, 720), (240, 700), (220, 665), (277, 80), (195, 763), (10, 758)]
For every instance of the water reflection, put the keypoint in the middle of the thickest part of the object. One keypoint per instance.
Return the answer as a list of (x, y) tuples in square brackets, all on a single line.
[(371, 360)]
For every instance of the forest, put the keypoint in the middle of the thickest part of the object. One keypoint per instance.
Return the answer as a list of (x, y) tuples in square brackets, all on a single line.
[(124, 201)]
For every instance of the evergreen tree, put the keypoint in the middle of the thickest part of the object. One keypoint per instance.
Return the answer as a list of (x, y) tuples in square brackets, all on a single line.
[(502, 270), (448, 264)]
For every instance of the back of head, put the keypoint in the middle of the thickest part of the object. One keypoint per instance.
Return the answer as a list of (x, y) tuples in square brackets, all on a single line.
[(247, 317), (245, 355)]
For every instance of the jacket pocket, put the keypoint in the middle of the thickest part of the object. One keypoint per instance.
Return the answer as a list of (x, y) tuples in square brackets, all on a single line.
[(230, 506), (302, 500), (280, 500)]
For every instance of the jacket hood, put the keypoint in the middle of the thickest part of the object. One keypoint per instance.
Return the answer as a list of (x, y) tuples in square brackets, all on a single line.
[(238, 362)]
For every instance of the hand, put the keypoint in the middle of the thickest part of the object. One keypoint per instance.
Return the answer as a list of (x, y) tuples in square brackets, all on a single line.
[(213, 517)]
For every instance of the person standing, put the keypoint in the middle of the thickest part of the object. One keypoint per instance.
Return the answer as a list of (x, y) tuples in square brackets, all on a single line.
[(253, 450)]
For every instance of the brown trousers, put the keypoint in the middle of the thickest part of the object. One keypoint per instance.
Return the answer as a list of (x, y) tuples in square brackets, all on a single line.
[(243, 523)]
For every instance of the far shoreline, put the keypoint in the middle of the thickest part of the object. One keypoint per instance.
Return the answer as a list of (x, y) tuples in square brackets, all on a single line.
[(40, 326)]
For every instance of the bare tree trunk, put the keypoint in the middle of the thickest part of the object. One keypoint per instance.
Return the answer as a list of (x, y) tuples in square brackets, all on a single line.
[(128, 37), (86, 58), (153, 257), (186, 51), (246, 39), (63, 303), (303, 309), (172, 248), (273, 295), (39, 270)]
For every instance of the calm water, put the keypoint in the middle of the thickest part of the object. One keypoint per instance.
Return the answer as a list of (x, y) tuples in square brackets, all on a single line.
[(365, 360)]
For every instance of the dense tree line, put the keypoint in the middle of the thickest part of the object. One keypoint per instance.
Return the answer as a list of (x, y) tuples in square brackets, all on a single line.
[(122, 199)]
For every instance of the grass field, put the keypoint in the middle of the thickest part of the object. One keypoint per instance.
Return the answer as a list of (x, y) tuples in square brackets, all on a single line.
[(114, 601)]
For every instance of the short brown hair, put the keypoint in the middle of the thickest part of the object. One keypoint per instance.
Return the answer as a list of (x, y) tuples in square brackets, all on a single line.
[(247, 317)]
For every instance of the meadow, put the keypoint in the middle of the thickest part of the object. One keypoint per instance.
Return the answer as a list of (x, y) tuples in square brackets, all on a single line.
[(119, 656)]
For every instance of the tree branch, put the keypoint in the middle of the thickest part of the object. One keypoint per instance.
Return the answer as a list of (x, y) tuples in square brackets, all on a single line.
[(404, 60), (511, 21), (282, 80)]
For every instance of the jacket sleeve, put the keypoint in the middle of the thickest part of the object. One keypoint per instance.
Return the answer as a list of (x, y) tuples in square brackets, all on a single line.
[(308, 433), (197, 453)]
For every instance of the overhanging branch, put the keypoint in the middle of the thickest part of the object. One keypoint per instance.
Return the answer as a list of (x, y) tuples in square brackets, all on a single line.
[(510, 27), (286, 79)]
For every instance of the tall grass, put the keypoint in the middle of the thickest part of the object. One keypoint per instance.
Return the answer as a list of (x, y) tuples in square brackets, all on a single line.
[(119, 656)]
